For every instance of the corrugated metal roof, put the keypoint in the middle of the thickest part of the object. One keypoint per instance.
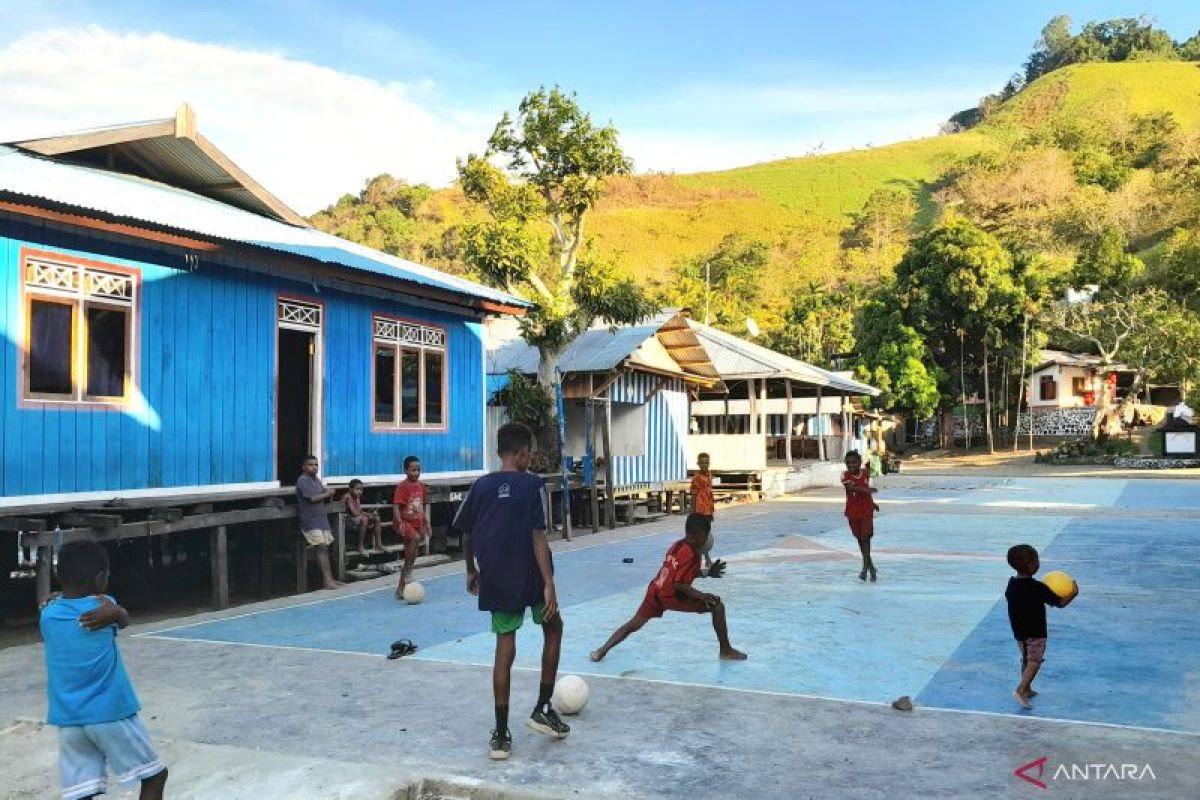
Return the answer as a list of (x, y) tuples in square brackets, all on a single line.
[(160, 205), (601, 348), (737, 358)]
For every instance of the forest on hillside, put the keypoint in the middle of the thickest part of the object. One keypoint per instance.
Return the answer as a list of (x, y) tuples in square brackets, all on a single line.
[(938, 288)]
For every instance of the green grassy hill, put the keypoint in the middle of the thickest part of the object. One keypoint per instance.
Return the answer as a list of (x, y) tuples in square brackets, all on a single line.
[(650, 223)]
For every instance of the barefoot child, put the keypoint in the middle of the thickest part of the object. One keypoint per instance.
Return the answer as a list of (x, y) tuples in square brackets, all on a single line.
[(410, 517), (503, 525), (702, 496), (1027, 600), (311, 496), (672, 589), (362, 520), (91, 697), (860, 509)]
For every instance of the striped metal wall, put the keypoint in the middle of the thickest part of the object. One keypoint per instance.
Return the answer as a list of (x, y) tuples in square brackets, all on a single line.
[(665, 457), (206, 353)]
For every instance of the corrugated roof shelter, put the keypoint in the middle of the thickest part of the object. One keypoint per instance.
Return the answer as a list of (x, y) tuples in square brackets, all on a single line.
[(171, 325), (641, 375), (776, 408)]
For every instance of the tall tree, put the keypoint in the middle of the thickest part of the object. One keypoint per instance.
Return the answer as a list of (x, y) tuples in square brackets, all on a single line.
[(818, 324), (959, 289), (723, 286), (555, 163), (879, 232), (1103, 262), (893, 357)]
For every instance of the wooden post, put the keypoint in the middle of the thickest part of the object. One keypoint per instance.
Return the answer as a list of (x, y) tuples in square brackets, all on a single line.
[(589, 434), (566, 512), (218, 554), (787, 391), (753, 397), (264, 562), (339, 541), (610, 501), (820, 431), (45, 556), (301, 565)]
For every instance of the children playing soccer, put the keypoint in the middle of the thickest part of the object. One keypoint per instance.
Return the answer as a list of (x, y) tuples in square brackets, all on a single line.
[(409, 516), (1027, 600), (672, 590), (860, 510), (361, 520), (702, 495), (503, 524), (91, 697)]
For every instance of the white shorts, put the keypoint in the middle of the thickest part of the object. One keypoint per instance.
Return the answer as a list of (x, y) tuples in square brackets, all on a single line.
[(87, 752), (318, 537)]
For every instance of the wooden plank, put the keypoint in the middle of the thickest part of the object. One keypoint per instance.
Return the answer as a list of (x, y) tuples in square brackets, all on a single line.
[(23, 524), (219, 564), (609, 509), (156, 527), (89, 519), (339, 540)]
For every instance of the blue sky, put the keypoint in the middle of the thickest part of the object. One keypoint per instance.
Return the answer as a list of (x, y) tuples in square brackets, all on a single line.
[(696, 85)]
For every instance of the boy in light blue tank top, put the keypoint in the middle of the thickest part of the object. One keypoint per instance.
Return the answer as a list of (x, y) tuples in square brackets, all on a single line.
[(92, 701)]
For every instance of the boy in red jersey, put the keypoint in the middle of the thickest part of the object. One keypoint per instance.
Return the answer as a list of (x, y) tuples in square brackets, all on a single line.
[(410, 516), (672, 590), (860, 509), (702, 495)]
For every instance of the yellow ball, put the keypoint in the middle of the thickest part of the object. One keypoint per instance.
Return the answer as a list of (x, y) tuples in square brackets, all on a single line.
[(1060, 583)]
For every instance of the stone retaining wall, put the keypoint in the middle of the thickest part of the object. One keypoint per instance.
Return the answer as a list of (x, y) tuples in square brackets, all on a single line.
[(1058, 422)]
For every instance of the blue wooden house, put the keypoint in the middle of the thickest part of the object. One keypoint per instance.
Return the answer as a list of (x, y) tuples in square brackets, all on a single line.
[(171, 325), (641, 378)]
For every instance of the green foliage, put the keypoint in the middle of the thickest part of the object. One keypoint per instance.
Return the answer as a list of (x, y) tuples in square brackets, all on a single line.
[(958, 287), (724, 285), (1099, 168), (1104, 262), (1190, 50), (893, 357), (385, 215), (556, 162), (879, 232), (525, 401), (1178, 272), (1111, 40), (818, 325)]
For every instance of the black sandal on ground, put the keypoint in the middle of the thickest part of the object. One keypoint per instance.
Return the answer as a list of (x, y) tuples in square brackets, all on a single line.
[(401, 648)]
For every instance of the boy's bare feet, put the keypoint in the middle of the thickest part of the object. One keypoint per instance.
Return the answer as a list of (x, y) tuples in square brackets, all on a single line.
[(862, 576), (333, 584), (1030, 692), (596, 655), (732, 655), (1022, 699)]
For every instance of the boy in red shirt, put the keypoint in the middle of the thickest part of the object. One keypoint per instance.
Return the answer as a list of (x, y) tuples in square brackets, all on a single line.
[(409, 516), (860, 509), (672, 589), (702, 495)]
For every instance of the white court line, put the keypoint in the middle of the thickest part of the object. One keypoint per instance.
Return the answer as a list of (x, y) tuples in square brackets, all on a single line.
[(802, 696), (261, 646), (705, 686), (447, 574)]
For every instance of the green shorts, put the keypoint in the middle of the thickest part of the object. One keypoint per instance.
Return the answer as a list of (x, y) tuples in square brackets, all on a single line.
[(510, 621)]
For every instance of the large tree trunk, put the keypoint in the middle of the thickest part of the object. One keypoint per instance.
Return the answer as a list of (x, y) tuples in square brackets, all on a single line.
[(1098, 429), (547, 376)]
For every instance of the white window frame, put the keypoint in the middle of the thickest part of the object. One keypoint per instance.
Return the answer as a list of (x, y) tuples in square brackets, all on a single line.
[(81, 285), (406, 336)]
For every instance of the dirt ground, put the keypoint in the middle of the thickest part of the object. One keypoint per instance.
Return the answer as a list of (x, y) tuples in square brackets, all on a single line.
[(1005, 463)]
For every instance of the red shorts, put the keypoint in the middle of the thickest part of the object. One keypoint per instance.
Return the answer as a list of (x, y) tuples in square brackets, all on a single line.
[(653, 606), (410, 534), (862, 527)]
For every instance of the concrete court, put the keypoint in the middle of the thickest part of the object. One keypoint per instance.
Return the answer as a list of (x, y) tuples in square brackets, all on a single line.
[(267, 699)]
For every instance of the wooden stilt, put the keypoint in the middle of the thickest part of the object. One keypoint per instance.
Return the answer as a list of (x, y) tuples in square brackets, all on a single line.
[(219, 561), (339, 541)]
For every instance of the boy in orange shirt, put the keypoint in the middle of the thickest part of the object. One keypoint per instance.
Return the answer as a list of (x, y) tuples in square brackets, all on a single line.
[(702, 497), (410, 517)]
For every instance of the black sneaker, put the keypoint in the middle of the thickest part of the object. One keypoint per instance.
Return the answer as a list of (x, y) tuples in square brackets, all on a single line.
[(545, 720), (500, 747)]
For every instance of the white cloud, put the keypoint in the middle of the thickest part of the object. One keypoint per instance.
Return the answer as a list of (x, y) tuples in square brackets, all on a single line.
[(308, 133)]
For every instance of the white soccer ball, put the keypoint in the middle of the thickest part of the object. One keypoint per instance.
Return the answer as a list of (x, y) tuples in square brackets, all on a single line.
[(570, 694), (413, 593)]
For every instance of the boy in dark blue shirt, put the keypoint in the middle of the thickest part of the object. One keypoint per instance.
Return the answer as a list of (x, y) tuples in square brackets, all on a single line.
[(91, 699), (503, 523), (1027, 600)]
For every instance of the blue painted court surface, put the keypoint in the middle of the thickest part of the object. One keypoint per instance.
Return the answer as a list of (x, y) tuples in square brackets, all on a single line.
[(1127, 652)]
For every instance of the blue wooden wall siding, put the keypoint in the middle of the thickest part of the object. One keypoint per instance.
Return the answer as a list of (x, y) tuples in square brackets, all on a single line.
[(207, 370), (665, 458)]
